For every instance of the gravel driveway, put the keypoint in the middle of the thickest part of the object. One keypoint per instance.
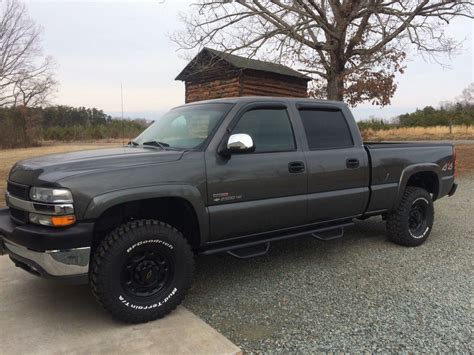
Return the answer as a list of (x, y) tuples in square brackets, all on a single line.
[(358, 293)]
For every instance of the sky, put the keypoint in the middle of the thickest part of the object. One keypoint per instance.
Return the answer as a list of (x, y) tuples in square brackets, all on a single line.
[(99, 45)]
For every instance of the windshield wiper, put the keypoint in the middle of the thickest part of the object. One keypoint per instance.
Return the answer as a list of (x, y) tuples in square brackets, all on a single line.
[(133, 143), (162, 145)]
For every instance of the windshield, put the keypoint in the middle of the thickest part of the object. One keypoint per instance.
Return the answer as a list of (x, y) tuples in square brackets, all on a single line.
[(184, 127)]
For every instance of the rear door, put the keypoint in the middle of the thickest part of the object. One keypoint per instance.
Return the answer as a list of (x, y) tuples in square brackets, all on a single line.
[(337, 163), (263, 190)]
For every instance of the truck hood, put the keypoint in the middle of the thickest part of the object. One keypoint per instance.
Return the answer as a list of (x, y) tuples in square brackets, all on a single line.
[(50, 169)]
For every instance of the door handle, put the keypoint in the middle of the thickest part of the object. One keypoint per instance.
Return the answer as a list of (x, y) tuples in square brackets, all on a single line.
[(352, 163), (296, 167)]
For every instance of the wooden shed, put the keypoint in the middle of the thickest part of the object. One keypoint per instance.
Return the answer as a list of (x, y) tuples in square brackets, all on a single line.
[(212, 74)]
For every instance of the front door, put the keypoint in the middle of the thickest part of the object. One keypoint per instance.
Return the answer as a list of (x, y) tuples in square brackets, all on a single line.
[(262, 190)]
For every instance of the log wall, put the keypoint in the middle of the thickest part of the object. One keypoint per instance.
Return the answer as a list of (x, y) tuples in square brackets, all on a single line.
[(243, 83), (263, 84), (213, 89)]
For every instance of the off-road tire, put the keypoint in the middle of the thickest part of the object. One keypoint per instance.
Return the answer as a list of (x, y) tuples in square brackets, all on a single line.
[(111, 261), (398, 222)]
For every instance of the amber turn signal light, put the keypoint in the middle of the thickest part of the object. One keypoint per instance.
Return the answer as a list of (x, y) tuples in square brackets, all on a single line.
[(62, 221)]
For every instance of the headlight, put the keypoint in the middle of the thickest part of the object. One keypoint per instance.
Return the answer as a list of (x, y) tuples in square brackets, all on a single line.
[(43, 194)]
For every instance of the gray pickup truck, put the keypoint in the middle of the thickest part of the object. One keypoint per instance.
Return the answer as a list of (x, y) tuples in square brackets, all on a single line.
[(227, 175)]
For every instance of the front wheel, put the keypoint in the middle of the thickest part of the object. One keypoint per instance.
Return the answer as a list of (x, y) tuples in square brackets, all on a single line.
[(141, 271), (411, 223)]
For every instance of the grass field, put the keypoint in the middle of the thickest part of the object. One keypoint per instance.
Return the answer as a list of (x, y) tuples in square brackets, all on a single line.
[(8, 157), (420, 133)]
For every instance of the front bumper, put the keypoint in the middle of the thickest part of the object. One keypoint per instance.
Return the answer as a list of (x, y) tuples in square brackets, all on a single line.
[(68, 265), (52, 253)]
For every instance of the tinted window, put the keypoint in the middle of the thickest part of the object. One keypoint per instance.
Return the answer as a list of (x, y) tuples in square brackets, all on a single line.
[(270, 129), (326, 129)]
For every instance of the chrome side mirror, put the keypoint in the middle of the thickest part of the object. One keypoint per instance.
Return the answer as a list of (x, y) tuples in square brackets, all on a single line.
[(240, 143)]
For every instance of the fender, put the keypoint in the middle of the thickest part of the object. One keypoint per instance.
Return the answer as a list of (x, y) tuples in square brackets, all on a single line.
[(412, 169), (100, 203)]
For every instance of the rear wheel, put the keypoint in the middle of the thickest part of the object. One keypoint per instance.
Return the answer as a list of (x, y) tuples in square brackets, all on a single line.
[(411, 223), (142, 271)]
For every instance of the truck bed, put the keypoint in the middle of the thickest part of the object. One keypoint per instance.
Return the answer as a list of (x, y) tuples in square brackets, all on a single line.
[(389, 161)]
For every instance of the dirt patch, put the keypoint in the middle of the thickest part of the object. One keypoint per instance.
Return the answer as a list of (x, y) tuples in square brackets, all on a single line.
[(465, 158)]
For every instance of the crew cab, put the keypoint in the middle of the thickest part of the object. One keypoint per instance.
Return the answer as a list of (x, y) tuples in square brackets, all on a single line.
[(228, 175)]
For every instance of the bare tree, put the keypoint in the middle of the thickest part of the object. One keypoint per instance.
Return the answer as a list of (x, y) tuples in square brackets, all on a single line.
[(467, 96), (352, 48), (26, 76), (35, 90)]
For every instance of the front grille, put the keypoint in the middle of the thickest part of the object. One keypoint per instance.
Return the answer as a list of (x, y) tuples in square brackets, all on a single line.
[(19, 216), (18, 190)]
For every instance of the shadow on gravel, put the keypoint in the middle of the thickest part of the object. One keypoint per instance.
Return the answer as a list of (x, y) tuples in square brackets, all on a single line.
[(357, 293), (303, 249)]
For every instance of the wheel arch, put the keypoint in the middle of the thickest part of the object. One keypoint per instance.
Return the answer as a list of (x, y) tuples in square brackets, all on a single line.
[(154, 202), (426, 176)]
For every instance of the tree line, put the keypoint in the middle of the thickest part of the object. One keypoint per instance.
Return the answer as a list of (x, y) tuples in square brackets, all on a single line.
[(22, 126), (457, 113), (446, 115)]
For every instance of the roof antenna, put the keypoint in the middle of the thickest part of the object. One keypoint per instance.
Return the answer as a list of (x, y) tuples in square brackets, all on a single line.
[(123, 123)]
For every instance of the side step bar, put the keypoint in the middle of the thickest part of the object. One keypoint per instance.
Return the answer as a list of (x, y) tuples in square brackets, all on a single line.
[(237, 250), (335, 233), (250, 252)]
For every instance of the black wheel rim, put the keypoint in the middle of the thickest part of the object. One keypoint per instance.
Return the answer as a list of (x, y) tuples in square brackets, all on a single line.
[(417, 222), (146, 272)]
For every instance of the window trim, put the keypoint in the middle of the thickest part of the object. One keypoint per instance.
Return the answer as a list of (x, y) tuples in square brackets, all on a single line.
[(320, 108), (259, 106)]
